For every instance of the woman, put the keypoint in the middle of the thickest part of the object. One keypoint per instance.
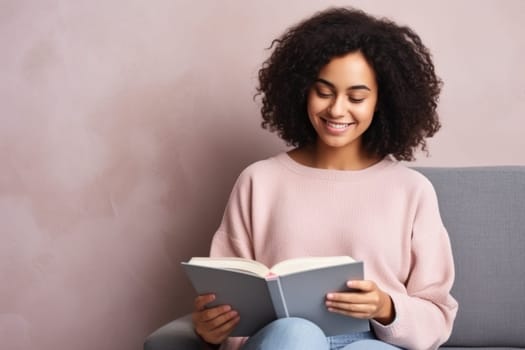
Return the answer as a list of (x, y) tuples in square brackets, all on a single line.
[(354, 95)]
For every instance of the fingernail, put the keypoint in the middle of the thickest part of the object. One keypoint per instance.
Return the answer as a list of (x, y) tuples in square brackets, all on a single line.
[(329, 295), (349, 283)]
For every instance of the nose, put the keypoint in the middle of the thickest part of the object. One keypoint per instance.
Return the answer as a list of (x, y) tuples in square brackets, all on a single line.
[(339, 107)]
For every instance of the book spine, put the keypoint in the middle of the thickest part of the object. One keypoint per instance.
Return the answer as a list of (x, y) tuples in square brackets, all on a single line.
[(277, 296)]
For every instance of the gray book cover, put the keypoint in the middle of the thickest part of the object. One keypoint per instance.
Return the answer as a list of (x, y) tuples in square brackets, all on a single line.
[(246, 293), (259, 301), (305, 296)]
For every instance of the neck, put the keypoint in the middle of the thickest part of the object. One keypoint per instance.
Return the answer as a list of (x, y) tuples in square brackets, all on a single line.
[(324, 157)]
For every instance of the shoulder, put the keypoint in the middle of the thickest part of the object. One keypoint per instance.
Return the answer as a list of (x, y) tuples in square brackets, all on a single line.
[(265, 170), (415, 189), (411, 179)]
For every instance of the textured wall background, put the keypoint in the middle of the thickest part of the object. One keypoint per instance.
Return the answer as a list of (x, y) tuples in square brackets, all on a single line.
[(124, 123)]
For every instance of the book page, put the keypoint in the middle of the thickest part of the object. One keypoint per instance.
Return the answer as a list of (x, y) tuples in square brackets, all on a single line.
[(232, 263), (309, 263)]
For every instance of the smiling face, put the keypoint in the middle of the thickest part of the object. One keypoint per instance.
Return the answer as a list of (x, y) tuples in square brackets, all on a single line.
[(342, 101)]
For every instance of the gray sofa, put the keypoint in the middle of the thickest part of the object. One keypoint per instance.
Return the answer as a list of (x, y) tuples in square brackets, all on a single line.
[(484, 211)]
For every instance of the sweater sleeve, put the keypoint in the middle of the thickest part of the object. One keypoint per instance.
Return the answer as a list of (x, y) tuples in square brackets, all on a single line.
[(425, 311), (233, 238), (234, 235)]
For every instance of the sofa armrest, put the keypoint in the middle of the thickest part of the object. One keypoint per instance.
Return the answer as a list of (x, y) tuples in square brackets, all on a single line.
[(176, 335)]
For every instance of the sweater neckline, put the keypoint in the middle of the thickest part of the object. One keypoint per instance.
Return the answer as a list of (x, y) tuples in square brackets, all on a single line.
[(332, 174)]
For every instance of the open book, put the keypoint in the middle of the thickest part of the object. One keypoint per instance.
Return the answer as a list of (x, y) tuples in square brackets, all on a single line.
[(291, 288)]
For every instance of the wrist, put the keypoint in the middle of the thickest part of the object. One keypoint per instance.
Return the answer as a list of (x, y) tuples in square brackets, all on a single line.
[(387, 313), (204, 344), (209, 346)]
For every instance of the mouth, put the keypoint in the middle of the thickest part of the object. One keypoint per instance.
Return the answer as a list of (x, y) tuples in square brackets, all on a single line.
[(336, 125)]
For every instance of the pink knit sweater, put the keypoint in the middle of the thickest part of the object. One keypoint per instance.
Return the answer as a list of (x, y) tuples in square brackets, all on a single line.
[(386, 215)]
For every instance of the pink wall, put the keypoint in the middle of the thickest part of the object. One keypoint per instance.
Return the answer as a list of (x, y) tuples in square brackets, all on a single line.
[(124, 124)]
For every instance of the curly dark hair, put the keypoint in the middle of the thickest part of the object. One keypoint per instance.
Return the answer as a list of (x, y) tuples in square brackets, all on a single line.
[(408, 86)]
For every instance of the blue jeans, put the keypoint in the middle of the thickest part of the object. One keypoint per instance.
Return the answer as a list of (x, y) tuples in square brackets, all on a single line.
[(300, 334)]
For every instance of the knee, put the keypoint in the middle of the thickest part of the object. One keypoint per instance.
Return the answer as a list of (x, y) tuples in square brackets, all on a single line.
[(297, 327), (370, 344), (288, 333)]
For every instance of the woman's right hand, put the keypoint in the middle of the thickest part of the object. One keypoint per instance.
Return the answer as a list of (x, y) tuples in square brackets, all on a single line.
[(214, 324)]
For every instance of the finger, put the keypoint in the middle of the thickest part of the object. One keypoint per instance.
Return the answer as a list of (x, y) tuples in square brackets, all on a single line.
[(361, 315), (353, 298), (221, 319), (354, 308), (220, 334), (214, 313), (362, 285), (355, 301), (201, 301), (226, 328), (212, 330)]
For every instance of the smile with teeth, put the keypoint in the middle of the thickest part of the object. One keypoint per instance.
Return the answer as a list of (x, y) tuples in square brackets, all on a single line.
[(335, 125)]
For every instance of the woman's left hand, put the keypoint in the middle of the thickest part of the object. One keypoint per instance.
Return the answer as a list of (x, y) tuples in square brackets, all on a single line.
[(366, 300)]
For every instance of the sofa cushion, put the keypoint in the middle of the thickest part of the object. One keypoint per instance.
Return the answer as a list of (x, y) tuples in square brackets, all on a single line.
[(483, 209), (176, 335)]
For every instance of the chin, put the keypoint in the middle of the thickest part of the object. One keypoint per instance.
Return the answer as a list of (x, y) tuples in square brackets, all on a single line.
[(336, 144)]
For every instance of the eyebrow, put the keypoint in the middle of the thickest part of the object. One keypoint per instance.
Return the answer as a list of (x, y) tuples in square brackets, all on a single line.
[(353, 87)]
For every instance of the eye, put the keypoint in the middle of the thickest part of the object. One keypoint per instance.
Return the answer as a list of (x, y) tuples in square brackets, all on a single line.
[(356, 100), (323, 93)]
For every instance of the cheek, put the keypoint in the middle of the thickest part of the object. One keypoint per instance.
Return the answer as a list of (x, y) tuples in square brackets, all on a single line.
[(311, 115), (316, 105), (311, 107), (364, 112)]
